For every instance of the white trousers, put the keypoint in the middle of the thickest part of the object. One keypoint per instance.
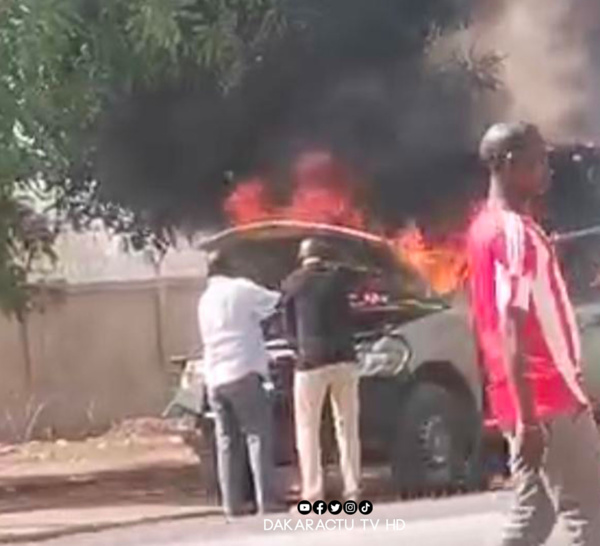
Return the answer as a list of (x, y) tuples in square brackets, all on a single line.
[(310, 390)]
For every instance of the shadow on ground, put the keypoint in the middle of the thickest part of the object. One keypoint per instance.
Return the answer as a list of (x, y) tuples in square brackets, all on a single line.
[(177, 486)]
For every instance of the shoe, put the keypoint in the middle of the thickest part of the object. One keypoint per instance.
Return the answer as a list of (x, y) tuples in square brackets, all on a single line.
[(246, 510), (231, 517)]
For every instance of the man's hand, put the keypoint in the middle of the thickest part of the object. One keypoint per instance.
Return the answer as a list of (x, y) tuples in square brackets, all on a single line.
[(531, 441)]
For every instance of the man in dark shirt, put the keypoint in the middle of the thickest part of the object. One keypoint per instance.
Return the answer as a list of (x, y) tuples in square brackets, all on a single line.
[(320, 320)]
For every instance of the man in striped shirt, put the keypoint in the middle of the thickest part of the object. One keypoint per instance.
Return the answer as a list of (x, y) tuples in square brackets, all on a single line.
[(530, 348)]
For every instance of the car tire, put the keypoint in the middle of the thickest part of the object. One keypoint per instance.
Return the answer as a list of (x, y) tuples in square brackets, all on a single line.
[(435, 447)]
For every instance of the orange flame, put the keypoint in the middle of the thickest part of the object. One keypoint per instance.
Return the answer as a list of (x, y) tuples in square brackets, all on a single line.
[(325, 193), (249, 203), (442, 263)]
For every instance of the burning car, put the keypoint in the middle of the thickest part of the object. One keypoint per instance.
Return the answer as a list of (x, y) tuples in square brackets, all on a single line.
[(421, 403)]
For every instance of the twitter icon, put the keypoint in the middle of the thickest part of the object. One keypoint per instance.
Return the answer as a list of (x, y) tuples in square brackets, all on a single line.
[(335, 507)]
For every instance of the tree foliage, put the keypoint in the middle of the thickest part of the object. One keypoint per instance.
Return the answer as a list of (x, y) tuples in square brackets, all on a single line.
[(65, 62), (140, 112)]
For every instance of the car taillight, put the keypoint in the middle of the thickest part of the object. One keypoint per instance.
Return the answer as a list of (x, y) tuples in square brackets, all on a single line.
[(374, 298)]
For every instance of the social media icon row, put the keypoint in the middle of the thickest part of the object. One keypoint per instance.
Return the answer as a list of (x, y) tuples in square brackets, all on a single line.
[(335, 507)]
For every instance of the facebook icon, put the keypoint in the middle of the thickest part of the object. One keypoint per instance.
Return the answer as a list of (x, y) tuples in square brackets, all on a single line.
[(319, 507)]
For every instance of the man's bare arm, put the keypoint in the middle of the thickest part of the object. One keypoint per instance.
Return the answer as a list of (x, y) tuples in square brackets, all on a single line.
[(529, 434), (518, 382)]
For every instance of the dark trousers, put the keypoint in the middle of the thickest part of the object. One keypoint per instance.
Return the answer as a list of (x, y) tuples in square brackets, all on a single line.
[(243, 421)]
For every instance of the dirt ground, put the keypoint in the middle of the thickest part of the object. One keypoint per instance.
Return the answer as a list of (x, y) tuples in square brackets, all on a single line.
[(134, 442), (140, 461), (144, 461)]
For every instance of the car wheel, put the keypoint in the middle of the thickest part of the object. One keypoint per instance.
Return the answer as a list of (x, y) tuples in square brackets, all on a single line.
[(435, 444)]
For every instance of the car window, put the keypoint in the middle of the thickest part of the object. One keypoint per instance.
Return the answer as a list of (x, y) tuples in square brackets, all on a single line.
[(580, 262), (269, 262), (571, 212), (573, 201)]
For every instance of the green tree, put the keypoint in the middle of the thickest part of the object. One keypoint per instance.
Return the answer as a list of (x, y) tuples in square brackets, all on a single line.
[(62, 64), (141, 112)]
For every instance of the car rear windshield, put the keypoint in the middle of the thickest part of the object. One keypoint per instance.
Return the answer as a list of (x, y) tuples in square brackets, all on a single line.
[(269, 262)]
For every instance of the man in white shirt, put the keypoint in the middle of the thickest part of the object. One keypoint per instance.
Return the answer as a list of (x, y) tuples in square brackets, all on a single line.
[(230, 313)]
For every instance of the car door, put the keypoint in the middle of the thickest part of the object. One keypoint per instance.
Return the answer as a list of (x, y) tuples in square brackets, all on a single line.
[(588, 318), (580, 259)]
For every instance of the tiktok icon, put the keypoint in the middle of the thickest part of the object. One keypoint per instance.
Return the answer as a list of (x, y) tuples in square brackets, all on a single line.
[(365, 507)]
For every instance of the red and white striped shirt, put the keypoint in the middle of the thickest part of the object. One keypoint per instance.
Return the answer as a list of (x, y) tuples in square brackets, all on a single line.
[(513, 264)]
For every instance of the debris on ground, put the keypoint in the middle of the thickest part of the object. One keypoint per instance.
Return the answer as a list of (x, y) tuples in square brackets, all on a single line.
[(134, 441), (146, 461)]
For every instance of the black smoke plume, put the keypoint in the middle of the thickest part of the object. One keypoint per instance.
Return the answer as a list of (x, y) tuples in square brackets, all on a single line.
[(349, 76)]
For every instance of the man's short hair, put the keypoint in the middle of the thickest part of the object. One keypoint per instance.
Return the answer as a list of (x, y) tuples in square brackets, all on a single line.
[(504, 141), (315, 248)]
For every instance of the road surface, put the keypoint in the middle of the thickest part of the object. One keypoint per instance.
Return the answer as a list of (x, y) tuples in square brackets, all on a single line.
[(471, 520)]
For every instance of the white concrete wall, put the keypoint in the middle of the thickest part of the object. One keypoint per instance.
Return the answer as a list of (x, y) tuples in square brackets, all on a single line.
[(94, 354)]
